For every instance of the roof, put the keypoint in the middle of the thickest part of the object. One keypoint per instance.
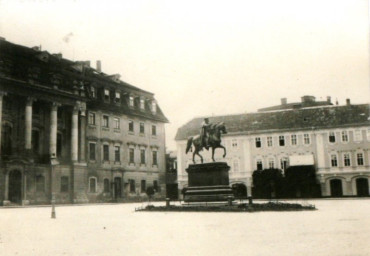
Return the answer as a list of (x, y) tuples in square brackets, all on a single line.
[(35, 67), (296, 105), (284, 120)]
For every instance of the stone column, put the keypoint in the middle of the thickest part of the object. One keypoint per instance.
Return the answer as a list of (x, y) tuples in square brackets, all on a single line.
[(53, 130), (6, 189), (24, 196), (74, 136), (28, 124), (1, 114), (83, 136)]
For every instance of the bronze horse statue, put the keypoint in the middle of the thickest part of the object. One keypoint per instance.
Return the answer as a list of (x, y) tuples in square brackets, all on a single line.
[(214, 141)]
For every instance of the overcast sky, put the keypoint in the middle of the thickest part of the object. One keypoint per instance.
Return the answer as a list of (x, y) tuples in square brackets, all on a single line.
[(203, 58)]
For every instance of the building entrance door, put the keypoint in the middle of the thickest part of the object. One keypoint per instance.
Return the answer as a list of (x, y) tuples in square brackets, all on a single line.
[(336, 188), (15, 186), (362, 186), (117, 187)]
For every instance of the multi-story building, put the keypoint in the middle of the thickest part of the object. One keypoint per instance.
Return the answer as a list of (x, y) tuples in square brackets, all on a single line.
[(73, 133), (334, 139)]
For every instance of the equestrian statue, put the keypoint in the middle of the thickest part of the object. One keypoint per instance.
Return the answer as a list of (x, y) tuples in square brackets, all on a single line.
[(210, 136)]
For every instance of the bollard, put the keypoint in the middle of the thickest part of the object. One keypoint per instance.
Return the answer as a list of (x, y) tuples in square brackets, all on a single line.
[(53, 216), (230, 200), (167, 202)]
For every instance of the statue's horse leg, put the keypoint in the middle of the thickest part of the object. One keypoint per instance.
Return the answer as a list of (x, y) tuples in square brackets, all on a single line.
[(213, 154)]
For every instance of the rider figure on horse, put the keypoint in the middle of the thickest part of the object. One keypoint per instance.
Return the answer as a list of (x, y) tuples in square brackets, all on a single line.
[(204, 133)]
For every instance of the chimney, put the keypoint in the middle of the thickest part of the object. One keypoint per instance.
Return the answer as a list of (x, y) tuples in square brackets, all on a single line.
[(328, 99), (307, 99), (283, 101), (98, 65), (348, 102)]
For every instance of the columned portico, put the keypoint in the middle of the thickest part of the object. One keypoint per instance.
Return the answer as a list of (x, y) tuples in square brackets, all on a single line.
[(28, 124), (53, 130), (74, 135)]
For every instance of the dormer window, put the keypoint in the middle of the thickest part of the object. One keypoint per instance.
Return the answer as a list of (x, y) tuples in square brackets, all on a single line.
[(142, 104), (117, 97), (131, 103), (154, 107), (106, 95)]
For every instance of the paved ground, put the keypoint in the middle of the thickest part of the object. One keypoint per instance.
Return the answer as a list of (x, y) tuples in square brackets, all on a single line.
[(339, 227)]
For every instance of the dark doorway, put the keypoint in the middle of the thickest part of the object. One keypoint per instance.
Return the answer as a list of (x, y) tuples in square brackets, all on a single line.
[(336, 188), (15, 186), (362, 187), (117, 187), (172, 191)]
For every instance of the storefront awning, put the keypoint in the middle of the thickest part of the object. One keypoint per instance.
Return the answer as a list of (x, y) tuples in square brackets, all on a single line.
[(296, 160)]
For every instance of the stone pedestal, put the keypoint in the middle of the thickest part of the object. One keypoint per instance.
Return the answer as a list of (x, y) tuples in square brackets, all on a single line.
[(208, 182)]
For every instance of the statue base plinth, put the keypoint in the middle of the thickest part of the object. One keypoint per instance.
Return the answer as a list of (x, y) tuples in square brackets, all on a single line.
[(208, 182)]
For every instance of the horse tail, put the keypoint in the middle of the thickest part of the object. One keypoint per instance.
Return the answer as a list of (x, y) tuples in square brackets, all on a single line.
[(188, 146)]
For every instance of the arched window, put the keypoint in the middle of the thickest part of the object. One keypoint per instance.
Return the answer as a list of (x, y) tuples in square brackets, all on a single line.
[(92, 184)]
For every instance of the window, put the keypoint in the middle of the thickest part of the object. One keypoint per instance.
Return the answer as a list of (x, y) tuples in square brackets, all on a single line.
[(59, 144), (155, 186), (155, 161), (142, 104), (281, 141), (92, 154), (236, 165), (331, 137), (132, 186), (347, 160), (117, 155), (106, 185), (360, 159), (269, 141), (368, 134), (40, 183), (344, 136), (93, 92), (334, 161), (105, 121), (35, 141), (91, 118), (142, 128), (306, 139), (64, 186), (142, 156), (117, 98), (284, 163), (106, 95), (293, 139), (116, 123), (131, 126), (154, 130), (143, 186), (258, 142), (131, 155), (259, 165), (271, 163), (234, 143), (105, 152), (131, 101), (154, 107), (92, 185), (357, 135)]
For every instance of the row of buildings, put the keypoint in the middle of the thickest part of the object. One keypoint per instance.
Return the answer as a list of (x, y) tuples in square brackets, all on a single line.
[(72, 133), (334, 139)]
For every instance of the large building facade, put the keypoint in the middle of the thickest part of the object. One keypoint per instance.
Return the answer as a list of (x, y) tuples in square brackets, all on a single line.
[(72, 133), (334, 139)]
